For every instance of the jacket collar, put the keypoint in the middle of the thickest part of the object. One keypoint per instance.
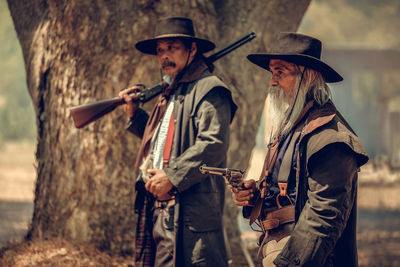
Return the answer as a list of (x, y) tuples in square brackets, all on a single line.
[(319, 116), (193, 71), (189, 74)]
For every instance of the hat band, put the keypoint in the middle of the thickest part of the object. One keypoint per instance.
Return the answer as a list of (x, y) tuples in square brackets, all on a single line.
[(173, 35)]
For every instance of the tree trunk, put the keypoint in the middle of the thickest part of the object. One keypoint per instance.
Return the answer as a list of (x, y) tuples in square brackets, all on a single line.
[(80, 51)]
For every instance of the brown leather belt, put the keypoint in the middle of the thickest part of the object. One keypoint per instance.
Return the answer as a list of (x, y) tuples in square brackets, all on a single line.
[(162, 204), (278, 217)]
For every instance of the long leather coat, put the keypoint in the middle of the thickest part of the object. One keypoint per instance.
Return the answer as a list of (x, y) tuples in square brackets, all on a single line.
[(203, 111), (330, 157)]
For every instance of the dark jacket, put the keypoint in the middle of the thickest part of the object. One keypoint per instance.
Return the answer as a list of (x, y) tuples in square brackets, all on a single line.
[(203, 111), (330, 157)]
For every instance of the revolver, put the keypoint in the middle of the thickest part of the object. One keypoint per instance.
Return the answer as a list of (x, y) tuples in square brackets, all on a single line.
[(234, 177)]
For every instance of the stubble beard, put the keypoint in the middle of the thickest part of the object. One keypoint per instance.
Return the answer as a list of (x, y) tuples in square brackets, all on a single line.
[(277, 109), (168, 76)]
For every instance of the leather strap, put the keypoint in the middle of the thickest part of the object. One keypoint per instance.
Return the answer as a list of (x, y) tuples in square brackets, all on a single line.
[(278, 217), (287, 162), (269, 164)]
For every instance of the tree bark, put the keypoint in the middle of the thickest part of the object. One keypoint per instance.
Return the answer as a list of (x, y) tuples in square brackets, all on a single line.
[(81, 51)]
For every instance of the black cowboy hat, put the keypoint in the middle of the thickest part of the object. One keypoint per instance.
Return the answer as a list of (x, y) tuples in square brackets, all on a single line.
[(181, 28), (298, 49)]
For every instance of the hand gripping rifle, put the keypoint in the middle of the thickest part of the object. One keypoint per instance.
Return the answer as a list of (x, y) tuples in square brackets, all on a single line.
[(233, 177), (86, 113)]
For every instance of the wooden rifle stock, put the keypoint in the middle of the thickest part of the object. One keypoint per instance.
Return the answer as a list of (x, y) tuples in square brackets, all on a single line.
[(87, 113)]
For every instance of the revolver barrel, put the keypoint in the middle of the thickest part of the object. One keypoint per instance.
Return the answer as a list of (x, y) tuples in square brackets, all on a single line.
[(213, 170), (233, 177)]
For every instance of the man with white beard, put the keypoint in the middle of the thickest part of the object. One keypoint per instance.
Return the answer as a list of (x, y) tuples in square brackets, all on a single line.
[(305, 199)]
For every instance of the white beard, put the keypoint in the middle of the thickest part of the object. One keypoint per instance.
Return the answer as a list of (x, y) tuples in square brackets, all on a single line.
[(277, 108)]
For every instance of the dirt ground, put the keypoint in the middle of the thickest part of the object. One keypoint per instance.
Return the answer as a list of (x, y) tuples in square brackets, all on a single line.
[(378, 216)]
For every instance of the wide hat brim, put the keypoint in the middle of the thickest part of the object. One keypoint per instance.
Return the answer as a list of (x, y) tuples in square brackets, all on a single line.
[(329, 74), (298, 49), (149, 46), (172, 28)]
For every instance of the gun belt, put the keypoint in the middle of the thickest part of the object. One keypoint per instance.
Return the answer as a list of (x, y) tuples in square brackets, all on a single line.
[(162, 204), (278, 217)]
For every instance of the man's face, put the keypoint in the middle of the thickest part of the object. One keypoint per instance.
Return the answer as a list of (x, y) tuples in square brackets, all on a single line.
[(173, 55), (284, 75), (281, 97)]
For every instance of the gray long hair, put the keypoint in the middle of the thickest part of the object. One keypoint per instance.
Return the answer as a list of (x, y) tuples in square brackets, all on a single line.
[(281, 112), (317, 88)]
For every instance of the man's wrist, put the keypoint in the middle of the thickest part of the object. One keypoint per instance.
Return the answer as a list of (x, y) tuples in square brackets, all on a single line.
[(136, 124), (173, 191)]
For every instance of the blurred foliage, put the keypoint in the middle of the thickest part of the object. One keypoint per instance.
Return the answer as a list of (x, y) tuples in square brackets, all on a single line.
[(17, 118), (360, 24), (357, 22)]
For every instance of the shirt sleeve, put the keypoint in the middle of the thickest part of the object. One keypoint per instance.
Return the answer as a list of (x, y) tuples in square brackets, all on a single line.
[(332, 182), (137, 123), (212, 121)]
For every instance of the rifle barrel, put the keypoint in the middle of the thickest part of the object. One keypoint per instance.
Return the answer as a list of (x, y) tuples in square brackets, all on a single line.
[(86, 113), (149, 93), (231, 47)]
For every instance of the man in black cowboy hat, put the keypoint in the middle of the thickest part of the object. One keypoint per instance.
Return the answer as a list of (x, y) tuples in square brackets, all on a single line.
[(180, 210), (305, 199)]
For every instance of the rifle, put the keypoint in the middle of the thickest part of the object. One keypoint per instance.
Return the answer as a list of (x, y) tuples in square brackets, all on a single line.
[(86, 113), (233, 177)]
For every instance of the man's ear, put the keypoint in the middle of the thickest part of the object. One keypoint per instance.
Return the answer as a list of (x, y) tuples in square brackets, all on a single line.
[(313, 75), (193, 49)]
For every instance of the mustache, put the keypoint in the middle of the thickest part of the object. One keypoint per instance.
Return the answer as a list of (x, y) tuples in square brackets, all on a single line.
[(276, 92), (167, 63), (273, 89)]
